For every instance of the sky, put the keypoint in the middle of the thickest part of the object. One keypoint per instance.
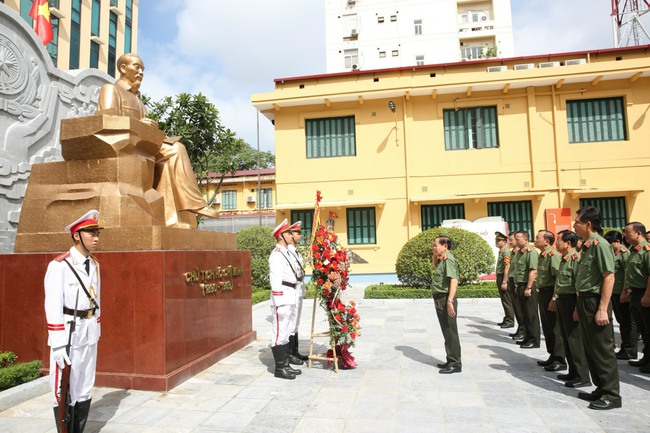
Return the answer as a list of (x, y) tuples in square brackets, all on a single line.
[(228, 50)]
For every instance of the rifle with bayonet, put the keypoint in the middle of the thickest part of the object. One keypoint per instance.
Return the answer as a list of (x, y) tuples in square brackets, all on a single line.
[(63, 415)]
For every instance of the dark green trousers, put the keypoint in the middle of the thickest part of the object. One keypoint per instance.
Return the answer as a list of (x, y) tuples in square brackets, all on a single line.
[(627, 326), (512, 290), (572, 338), (506, 302), (449, 329), (550, 327), (641, 316), (598, 342), (529, 312)]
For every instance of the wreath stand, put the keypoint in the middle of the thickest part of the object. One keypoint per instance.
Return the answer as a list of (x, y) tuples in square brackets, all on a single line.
[(321, 357)]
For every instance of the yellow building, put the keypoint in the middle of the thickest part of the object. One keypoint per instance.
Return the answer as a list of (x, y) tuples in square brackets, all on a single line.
[(245, 199), (88, 33), (396, 151)]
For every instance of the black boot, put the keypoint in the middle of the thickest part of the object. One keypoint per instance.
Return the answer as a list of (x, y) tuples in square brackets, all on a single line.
[(69, 419), (296, 371), (82, 408), (293, 342), (293, 359), (280, 367)]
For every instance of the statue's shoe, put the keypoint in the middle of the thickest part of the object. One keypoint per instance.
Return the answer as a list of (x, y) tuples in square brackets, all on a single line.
[(206, 212)]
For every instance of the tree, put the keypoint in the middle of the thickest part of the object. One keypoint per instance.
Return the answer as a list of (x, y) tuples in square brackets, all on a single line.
[(212, 148)]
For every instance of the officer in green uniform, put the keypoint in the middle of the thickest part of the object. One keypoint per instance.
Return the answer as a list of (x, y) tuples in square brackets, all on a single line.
[(564, 302), (445, 283), (518, 335), (626, 326), (636, 287), (547, 269), (525, 276), (594, 285), (502, 271)]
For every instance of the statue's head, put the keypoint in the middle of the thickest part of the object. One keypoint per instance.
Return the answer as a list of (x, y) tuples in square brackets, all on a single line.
[(131, 69)]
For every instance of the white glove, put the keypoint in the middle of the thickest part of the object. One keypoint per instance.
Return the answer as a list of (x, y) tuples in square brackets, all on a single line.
[(60, 357)]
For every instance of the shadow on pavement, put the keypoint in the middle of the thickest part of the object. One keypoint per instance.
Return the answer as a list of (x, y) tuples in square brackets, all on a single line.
[(418, 356), (104, 409)]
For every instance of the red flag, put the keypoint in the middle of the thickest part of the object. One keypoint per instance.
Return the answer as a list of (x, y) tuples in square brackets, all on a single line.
[(42, 21)]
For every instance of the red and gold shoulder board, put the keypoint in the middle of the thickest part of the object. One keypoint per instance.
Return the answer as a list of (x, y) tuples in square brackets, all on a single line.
[(575, 256), (506, 259), (550, 253), (442, 257), (63, 256), (596, 241), (623, 250)]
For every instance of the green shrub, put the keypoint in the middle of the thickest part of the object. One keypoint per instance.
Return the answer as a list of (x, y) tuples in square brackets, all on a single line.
[(473, 254), (7, 359), (260, 242), (17, 374), (395, 291), (260, 296)]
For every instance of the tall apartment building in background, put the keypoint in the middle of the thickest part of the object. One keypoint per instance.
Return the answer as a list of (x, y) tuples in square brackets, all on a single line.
[(88, 33), (378, 34)]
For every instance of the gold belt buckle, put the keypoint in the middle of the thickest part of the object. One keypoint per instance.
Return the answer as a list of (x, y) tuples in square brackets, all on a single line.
[(89, 314)]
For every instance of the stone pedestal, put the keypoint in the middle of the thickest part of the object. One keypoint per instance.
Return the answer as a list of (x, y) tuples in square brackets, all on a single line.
[(166, 315)]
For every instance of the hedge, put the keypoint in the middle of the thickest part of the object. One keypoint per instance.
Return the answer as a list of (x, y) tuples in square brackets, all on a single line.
[(260, 242), (395, 291), (15, 374)]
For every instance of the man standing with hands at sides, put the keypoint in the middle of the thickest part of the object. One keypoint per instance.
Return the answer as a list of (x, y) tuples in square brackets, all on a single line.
[(527, 290), (637, 287), (296, 235), (518, 335), (547, 270), (502, 271), (444, 285), (564, 302), (594, 284), (72, 289), (284, 276)]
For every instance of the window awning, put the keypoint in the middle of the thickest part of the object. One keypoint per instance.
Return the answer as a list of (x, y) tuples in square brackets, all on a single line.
[(334, 204), (478, 197), (586, 192)]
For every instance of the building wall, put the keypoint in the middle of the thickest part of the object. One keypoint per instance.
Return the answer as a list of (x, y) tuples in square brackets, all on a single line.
[(384, 32), (401, 163), (63, 11)]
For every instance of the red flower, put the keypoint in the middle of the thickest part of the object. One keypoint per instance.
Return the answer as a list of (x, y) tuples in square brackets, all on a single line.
[(342, 308), (353, 335), (344, 328), (352, 311), (337, 317)]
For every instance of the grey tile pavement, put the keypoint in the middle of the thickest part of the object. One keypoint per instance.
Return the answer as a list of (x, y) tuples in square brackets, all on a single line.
[(396, 387)]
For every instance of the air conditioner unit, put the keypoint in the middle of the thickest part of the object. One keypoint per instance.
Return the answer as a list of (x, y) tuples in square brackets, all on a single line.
[(497, 68), (250, 199), (216, 201), (575, 62), (524, 66), (548, 64)]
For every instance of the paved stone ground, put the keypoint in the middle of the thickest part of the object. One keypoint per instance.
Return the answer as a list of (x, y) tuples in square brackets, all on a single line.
[(396, 387)]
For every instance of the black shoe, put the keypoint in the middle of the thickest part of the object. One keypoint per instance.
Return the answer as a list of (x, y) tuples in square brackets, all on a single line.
[(294, 360), (293, 344), (281, 370), (576, 383), (500, 323), (604, 403), (640, 363), (445, 365), (549, 361), (555, 366), (622, 354), (513, 335), (522, 341), (449, 369), (518, 337), (507, 325), (530, 345), (566, 376), (589, 396)]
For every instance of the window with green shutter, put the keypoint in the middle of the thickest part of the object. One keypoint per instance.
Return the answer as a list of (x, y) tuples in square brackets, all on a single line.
[(518, 214), (433, 215), (307, 218), (229, 199), (612, 210), (330, 137), (471, 128), (265, 198), (361, 225), (594, 120)]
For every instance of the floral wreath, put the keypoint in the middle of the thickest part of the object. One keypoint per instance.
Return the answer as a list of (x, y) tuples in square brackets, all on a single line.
[(330, 273)]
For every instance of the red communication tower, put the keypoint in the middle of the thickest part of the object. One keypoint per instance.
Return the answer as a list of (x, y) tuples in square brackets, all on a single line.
[(628, 20)]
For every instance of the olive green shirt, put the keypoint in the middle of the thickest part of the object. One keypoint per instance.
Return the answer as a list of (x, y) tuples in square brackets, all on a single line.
[(445, 270), (526, 261), (504, 258), (620, 262), (548, 266), (565, 283), (638, 266), (514, 258), (597, 258)]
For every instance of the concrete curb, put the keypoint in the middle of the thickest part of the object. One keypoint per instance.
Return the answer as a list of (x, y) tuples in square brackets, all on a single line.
[(21, 393)]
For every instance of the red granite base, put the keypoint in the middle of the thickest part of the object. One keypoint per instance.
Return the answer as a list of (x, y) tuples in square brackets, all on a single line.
[(158, 330)]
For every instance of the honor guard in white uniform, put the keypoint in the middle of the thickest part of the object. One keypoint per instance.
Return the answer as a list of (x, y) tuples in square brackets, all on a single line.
[(72, 299), (301, 289), (284, 277)]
